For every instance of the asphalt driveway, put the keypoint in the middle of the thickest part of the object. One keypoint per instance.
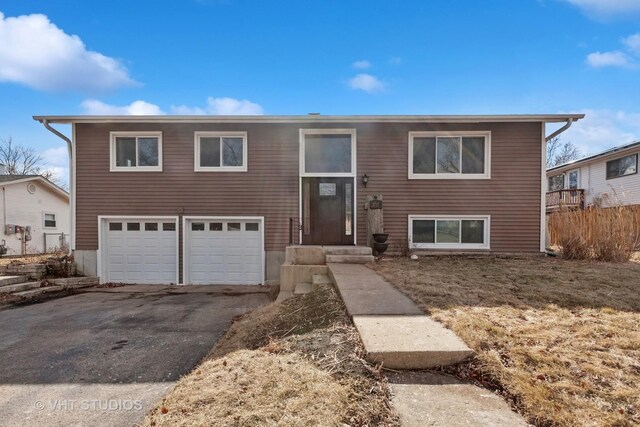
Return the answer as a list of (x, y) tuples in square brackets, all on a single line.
[(105, 357)]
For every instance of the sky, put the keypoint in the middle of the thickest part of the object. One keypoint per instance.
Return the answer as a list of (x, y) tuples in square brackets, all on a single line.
[(332, 57)]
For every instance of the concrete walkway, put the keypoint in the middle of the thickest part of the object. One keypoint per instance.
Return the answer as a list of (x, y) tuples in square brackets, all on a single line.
[(394, 331)]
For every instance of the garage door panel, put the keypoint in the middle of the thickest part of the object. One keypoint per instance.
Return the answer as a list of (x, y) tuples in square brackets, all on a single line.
[(216, 255), (148, 256)]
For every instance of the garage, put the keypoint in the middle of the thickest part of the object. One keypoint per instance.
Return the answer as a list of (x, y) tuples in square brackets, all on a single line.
[(140, 250), (224, 250)]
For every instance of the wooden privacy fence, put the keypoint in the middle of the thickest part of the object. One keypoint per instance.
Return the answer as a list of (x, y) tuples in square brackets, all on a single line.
[(607, 234)]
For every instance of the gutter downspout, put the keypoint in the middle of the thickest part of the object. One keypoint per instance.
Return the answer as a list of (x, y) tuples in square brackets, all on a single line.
[(60, 135), (559, 131)]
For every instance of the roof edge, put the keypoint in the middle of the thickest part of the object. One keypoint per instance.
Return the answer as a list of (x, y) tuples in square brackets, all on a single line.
[(55, 187), (547, 118), (588, 159)]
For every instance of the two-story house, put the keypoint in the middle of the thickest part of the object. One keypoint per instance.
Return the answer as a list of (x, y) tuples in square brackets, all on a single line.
[(211, 199), (605, 179)]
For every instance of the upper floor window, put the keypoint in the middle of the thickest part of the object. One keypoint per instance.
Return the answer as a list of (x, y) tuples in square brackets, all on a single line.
[(449, 155), (136, 151), (327, 152), (627, 165), (220, 151), (556, 182)]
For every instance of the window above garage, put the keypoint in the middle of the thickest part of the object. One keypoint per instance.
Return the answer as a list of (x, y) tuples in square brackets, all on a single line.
[(220, 152), (136, 152)]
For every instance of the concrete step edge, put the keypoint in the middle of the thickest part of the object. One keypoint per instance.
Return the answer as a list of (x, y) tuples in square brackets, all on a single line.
[(12, 280), (39, 291), (19, 287)]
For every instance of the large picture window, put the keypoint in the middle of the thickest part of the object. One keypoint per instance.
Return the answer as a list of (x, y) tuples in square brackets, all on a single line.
[(623, 166), (449, 232), (136, 151), (327, 152), (218, 151), (452, 155)]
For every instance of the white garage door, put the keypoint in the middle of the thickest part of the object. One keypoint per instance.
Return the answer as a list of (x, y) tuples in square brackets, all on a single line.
[(140, 250), (224, 251)]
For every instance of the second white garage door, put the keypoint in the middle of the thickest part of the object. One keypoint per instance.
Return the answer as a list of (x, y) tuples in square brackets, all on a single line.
[(224, 251)]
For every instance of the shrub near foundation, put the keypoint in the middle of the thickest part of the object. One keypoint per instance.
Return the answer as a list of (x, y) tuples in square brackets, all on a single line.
[(605, 234)]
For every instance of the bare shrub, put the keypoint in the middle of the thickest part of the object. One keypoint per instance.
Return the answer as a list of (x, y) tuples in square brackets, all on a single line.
[(606, 234)]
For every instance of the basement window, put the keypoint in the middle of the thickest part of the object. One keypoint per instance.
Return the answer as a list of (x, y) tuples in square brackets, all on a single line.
[(448, 232), (220, 152), (136, 151)]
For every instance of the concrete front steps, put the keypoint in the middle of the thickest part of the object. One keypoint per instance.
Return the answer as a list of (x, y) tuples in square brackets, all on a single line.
[(394, 331), (304, 264)]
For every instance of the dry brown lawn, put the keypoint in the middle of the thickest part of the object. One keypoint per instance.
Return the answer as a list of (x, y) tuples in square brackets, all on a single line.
[(561, 337), (293, 364)]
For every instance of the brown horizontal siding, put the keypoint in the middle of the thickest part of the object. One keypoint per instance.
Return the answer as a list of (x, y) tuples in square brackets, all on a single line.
[(270, 187), (511, 197)]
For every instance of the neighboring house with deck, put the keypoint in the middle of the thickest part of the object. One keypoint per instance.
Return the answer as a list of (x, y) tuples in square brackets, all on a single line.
[(605, 179), (217, 199), (35, 214)]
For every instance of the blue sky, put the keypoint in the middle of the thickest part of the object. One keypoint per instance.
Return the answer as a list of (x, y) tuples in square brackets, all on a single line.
[(332, 57)]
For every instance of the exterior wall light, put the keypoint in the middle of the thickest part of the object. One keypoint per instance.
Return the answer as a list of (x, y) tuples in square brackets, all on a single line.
[(365, 180)]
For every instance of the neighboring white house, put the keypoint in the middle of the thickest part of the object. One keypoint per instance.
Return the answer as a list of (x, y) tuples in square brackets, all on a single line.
[(608, 178), (35, 214)]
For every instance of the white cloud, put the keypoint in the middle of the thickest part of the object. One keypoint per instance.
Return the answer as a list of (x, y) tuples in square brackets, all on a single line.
[(607, 9), (608, 59), (603, 129), (633, 43), (57, 160), (367, 83), (136, 108), (36, 53), (222, 106), (361, 65)]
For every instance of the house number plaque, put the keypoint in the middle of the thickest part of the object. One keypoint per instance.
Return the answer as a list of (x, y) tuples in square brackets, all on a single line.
[(375, 204), (327, 189)]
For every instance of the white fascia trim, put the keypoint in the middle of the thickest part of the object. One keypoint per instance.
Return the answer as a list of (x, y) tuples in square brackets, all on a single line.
[(72, 188), (328, 131), (196, 152), (436, 175), (102, 221), (136, 134), (185, 252), (470, 246), (496, 118)]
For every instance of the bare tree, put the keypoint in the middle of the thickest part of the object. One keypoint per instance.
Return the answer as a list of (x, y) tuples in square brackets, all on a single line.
[(20, 160), (559, 152)]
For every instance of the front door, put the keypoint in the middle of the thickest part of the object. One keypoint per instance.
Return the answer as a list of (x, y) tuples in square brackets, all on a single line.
[(327, 211)]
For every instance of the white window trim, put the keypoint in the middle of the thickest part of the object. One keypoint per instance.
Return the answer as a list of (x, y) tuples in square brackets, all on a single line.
[(196, 152), (305, 132), (460, 175), (44, 223), (568, 179), (637, 156), (114, 168), (460, 246)]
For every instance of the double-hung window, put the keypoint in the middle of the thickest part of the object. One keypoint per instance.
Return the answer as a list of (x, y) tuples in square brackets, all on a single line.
[(449, 155), (627, 165), (136, 151), (449, 232), (50, 220), (220, 152)]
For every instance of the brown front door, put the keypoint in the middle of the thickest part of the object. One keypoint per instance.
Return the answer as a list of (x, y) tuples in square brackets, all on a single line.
[(327, 211)]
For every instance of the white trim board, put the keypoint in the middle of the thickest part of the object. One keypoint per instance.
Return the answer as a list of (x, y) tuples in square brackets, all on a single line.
[(104, 219), (189, 218)]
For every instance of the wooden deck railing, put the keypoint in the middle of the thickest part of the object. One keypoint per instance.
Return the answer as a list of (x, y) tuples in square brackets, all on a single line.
[(572, 199)]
